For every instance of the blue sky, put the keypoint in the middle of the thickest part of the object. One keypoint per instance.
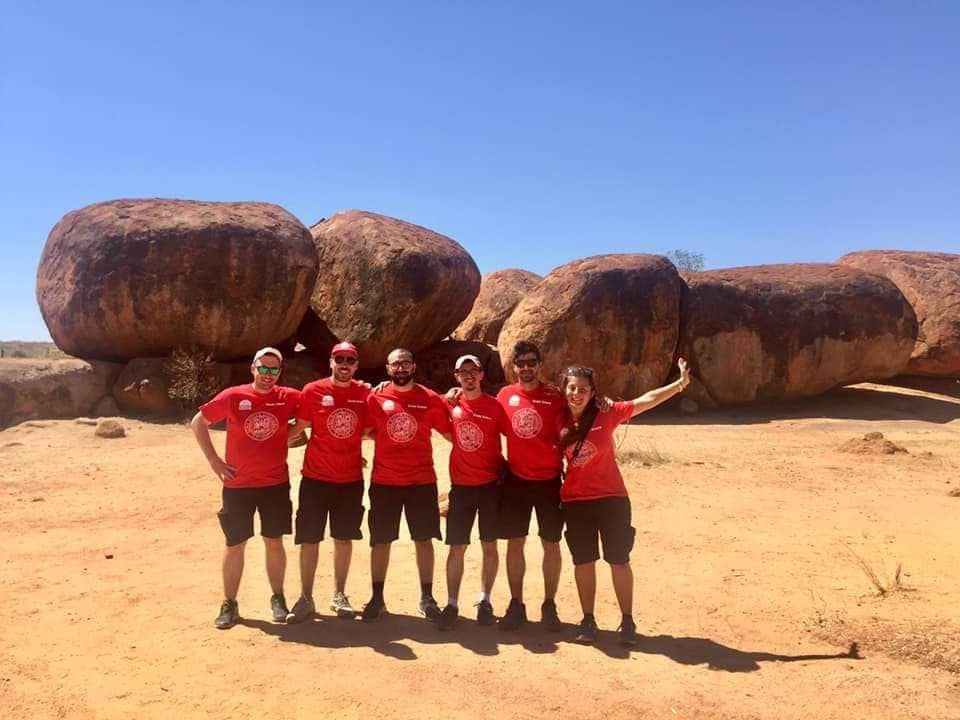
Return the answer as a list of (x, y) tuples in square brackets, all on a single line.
[(533, 133)]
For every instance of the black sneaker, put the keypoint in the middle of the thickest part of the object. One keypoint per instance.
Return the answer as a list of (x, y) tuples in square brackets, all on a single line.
[(515, 616), (548, 616), (448, 617), (587, 632), (278, 608), (485, 613), (229, 615), (429, 609), (628, 633), (373, 610)]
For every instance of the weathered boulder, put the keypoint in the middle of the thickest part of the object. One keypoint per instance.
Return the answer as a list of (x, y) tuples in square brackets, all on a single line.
[(41, 389), (142, 388), (107, 407), (930, 282), (500, 292), (785, 331), (435, 364), (137, 278), (619, 314), (110, 428), (387, 283)]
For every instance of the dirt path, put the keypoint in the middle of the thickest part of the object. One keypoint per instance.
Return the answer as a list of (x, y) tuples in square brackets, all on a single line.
[(754, 539)]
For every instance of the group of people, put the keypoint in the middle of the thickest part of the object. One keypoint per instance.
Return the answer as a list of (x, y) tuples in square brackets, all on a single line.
[(560, 465)]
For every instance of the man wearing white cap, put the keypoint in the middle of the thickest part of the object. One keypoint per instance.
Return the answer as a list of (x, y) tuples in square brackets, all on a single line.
[(254, 475), (332, 484), (475, 467)]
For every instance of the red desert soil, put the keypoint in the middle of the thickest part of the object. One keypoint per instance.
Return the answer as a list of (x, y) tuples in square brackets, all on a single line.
[(755, 541)]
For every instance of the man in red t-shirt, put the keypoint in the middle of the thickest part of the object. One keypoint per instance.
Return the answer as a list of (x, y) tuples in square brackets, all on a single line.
[(254, 475), (475, 467), (402, 416), (534, 410), (332, 485)]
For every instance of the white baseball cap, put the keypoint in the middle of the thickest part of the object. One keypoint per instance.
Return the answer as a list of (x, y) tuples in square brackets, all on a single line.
[(467, 358), (268, 351)]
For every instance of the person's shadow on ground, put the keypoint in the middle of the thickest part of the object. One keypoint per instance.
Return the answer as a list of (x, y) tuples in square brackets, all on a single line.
[(387, 635)]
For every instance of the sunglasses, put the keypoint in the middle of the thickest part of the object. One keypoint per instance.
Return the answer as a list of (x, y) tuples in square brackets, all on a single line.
[(530, 363), (468, 373), (345, 360), (264, 370), (401, 365)]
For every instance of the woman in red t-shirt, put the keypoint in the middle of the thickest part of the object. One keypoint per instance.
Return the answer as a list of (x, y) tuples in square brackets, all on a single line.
[(595, 502)]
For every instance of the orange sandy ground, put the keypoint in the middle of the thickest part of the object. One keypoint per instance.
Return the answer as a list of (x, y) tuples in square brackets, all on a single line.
[(749, 588)]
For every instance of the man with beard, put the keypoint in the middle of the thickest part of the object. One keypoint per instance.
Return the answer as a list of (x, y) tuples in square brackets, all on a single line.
[(254, 475), (475, 466), (402, 416), (332, 485), (534, 411)]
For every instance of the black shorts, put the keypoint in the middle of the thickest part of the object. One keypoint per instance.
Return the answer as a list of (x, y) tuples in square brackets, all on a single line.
[(343, 502), (468, 502), (520, 497), (418, 502), (608, 518), (239, 505)]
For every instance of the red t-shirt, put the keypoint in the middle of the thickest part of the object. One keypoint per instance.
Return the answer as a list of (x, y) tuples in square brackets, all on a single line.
[(256, 432), (534, 421), (337, 418), (594, 473), (477, 425), (401, 422)]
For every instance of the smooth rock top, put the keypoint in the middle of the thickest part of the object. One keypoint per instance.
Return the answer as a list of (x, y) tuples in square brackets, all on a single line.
[(138, 278), (385, 283), (618, 314), (500, 292), (931, 283)]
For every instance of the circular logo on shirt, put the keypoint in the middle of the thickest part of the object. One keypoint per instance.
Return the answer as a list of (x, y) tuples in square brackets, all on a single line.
[(389, 406), (587, 452), (342, 423), (469, 436), (527, 423), (260, 425), (402, 427), (458, 412)]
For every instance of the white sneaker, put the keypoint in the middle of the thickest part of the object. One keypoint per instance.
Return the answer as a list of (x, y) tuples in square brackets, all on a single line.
[(340, 604), (304, 609)]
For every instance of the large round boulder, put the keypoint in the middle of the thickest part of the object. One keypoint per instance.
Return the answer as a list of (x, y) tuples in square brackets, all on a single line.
[(387, 283), (786, 331), (619, 314), (435, 364), (138, 278), (500, 292), (930, 282)]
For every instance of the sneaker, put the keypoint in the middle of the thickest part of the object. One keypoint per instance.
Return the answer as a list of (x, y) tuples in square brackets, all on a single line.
[(303, 609), (485, 613), (373, 610), (429, 608), (229, 615), (515, 616), (628, 633), (587, 632), (448, 617), (278, 607), (340, 604), (548, 616)]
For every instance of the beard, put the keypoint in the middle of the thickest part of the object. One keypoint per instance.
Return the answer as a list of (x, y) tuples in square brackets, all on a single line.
[(401, 379)]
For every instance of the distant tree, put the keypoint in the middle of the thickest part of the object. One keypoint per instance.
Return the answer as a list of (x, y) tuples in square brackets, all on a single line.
[(686, 260), (18, 354)]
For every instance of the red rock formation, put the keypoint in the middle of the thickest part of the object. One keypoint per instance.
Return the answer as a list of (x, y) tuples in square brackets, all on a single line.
[(500, 292)]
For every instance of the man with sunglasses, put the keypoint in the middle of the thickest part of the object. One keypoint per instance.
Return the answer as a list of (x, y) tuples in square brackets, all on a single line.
[(534, 410), (402, 416), (254, 475), (475, 468), (332, 485)]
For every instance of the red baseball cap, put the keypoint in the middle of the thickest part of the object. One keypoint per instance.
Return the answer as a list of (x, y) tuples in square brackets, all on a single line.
[(344, 348)]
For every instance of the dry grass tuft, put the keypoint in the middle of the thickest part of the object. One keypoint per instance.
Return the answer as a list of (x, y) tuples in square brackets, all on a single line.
[(884, 586), (647, 457), (934, 644)]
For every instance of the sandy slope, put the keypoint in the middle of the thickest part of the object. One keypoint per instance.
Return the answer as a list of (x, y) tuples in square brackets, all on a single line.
[(749, 588)]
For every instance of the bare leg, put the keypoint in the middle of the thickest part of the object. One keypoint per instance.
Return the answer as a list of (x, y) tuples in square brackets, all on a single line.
[(309, 553), (379, 561), (552, 563), (455, 570), (586, 576), (623, 586), (425, 560), (233, 569), (276, 563), (491, 563), (516, 567), (342, 552)]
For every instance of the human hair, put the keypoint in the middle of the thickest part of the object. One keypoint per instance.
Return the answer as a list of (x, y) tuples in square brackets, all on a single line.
[(577, 435), (522, 348), (399, 351)]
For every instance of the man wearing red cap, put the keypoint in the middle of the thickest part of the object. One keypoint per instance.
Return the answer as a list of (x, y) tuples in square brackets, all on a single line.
[(254, 475), (332, 485)]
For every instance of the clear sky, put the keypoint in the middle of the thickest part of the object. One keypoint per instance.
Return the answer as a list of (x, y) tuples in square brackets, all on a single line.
[(533, 133)]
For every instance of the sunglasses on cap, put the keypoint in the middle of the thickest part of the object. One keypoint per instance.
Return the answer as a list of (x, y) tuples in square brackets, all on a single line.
[(264, 370), (528, 363), (344, 360)]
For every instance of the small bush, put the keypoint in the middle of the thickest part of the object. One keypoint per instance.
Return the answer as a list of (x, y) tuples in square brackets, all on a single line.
[(192, 376)]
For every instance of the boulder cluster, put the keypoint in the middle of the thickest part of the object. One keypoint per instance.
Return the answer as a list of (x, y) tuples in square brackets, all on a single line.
[(123, 284)]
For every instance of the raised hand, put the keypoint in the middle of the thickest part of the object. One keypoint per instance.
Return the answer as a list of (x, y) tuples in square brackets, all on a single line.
[(684, 373)]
